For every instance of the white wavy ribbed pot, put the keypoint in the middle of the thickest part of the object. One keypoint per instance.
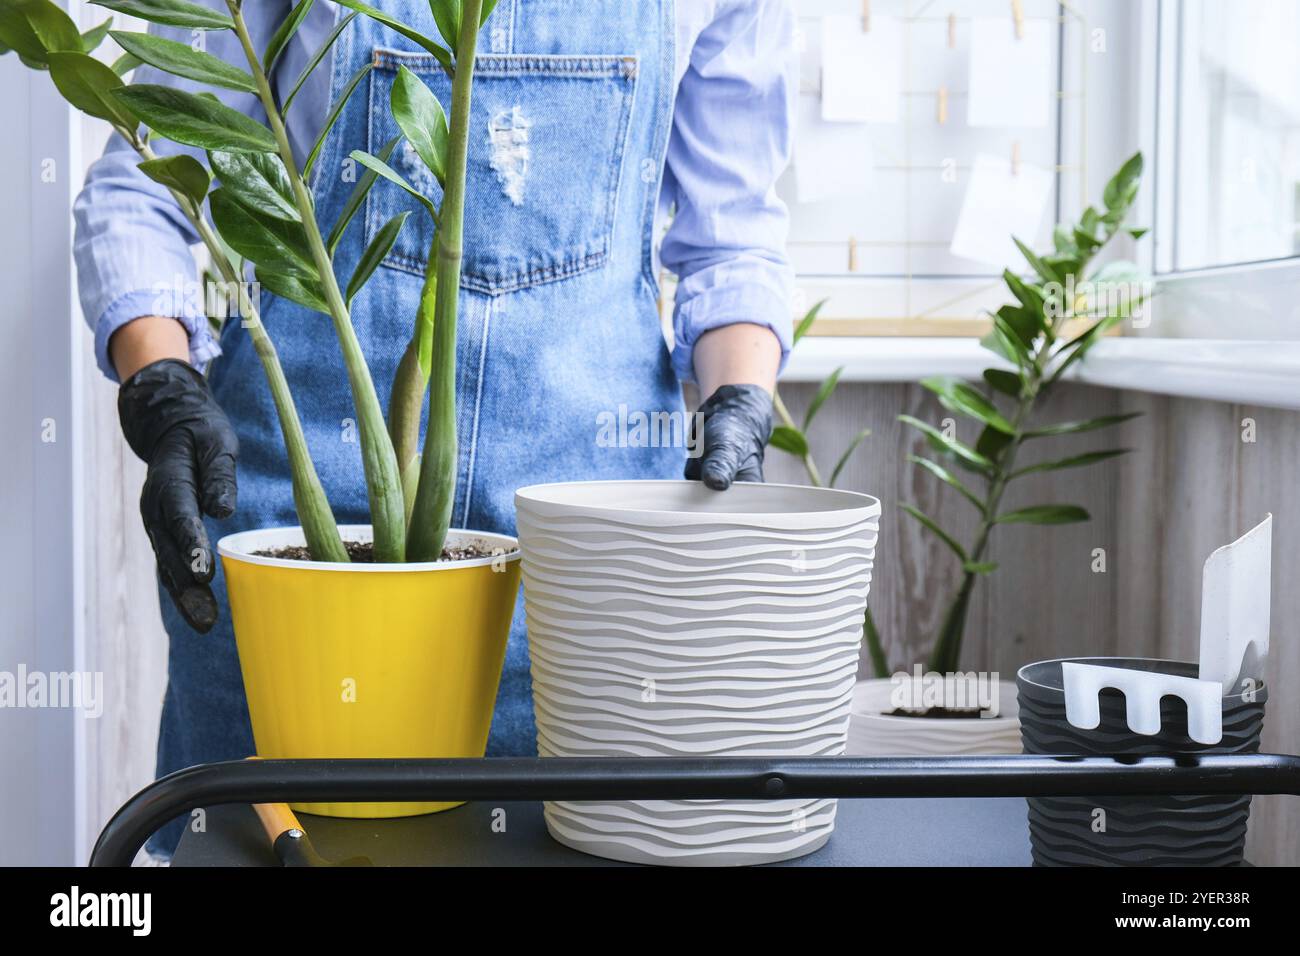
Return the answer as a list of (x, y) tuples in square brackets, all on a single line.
[(666, 619), (873, 733)]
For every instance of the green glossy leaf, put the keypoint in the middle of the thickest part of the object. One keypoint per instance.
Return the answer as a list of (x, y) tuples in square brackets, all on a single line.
[(335, 111), (124, 64), (789, 440), (1008, 383), (273, 245), (92, 38), (383, 169), (358, 197), (1046, 272), (1074, 461), (848, 453), (1044, 514), (375, 254), (415, 36), (1030, 296), (1137, 232), (180, 59), (420, 117), (488, 7), (941, 442), (1123, 185), (991, 442), (284, 33), (932, 526), (54, 29), (181, 172), (16, 33), (1074, 428), (447, 14), (806, 323), (957, 396), (174, 13), (947, 477), (195, 120), (827, 389), (1001, 341), (1063, 240), (1022, 324), (294, 288), (89, 86), (316, 59), (257, 181)]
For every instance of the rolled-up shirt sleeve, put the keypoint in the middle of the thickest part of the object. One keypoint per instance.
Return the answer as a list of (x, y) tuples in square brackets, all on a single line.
[(731, 140), (132, 244)]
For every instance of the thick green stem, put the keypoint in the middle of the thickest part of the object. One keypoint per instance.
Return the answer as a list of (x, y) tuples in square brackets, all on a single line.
[(431, 517), (319, 527), (383, 477), (406, 401)]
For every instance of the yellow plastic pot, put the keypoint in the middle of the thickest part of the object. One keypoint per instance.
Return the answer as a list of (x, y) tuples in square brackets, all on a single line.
[(369, 660)]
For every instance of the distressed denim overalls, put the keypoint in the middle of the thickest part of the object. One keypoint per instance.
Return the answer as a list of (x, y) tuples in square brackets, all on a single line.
[(558, 324)]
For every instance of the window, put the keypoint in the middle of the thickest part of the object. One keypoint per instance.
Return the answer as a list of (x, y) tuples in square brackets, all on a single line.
[(1229, 153)]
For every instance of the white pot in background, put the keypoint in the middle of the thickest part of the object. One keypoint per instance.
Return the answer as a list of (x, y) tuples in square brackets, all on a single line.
[(872, 733), (666, 619)]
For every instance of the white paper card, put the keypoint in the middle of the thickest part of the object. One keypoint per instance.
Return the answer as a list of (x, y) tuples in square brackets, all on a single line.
[(831, 160), (862, 72), (999, 205), (1011, 79)]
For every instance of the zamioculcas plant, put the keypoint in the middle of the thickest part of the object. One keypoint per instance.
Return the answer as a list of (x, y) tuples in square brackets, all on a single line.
[(45, 38), (1030, 336), (263, 212)]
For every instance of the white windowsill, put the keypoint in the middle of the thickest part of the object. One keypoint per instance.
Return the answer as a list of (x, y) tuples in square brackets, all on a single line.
[(1249, 372)]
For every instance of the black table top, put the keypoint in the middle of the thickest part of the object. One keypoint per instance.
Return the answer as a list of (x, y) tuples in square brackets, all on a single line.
[(868, 832)]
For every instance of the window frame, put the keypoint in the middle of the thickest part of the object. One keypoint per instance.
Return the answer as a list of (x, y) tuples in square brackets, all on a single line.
[(1191, 303)]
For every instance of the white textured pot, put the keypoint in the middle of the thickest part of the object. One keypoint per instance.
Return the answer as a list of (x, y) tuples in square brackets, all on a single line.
[(873, 733), (666, 619)]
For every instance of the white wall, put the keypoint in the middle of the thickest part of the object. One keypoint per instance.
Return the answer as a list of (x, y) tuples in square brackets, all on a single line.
[(41, 589)]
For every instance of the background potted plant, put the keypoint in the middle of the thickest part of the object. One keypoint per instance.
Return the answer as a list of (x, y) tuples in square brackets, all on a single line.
[(1061, 309), (302, 620)]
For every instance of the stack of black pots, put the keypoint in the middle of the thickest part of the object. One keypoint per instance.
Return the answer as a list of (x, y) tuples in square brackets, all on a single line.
[(1143, 830)]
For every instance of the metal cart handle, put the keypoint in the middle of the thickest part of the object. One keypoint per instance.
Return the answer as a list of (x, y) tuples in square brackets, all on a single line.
[(664, 778)]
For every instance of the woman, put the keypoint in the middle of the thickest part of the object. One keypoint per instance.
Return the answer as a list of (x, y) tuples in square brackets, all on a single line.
[(585, 126)]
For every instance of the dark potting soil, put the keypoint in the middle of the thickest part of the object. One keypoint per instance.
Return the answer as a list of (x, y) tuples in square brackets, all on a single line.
[(947, 713), (363, 552)]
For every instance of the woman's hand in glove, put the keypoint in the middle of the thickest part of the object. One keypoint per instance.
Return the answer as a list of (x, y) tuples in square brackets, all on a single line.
[(172, 422), (737, 421)]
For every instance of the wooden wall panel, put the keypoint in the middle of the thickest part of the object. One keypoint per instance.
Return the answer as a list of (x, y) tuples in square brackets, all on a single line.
[(1190, 485)]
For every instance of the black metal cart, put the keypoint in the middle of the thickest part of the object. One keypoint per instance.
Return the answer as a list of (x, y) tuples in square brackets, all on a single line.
[(524, 781)]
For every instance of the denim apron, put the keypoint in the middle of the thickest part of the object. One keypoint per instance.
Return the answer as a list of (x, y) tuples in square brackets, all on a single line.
[(558, 326)]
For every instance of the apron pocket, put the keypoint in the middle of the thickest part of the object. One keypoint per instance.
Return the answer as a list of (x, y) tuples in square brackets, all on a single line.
[(545, 160)]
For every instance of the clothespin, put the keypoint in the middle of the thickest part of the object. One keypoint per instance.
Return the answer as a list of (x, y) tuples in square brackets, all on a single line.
[(942, 109), (866, 16), (1018, 15), (853, 254), (1015, 158), (952, 31)]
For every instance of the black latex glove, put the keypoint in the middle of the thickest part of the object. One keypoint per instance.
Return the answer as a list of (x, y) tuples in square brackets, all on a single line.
[(737, 424), (172, 422)]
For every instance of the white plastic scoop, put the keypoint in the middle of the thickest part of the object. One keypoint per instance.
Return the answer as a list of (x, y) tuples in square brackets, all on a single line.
[(1235, 596)]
